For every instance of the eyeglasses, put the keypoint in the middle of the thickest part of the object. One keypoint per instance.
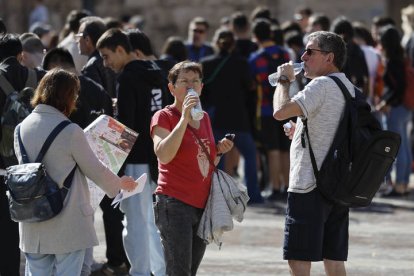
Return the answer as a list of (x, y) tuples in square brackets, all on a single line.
[(200, 31), (310, 51), (185, 82)]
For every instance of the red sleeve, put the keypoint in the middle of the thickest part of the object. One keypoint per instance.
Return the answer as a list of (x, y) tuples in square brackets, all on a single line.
[(161, 118)]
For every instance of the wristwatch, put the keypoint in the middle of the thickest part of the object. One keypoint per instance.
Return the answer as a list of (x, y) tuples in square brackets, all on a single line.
[(283, 79)]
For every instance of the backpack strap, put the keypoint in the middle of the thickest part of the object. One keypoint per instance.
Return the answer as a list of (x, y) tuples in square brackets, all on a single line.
[(68, 181), (23, 152), (50, 139), (347, 97), (31, 80), (5, 85), (343, 88), (217, 70)]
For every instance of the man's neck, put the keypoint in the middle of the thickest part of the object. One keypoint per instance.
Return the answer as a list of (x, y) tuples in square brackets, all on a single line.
[(266, 43)]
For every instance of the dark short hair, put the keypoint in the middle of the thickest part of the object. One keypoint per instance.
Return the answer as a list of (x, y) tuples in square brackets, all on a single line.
[(58, 88), (140, 41), (10, 46), (343, 26), (331, 42), (113, 38), (261, 29), (321, 20), (260, 12), (175, 47), (94, 28), (240, 21), (58, 56), (74, 17), (184, 66), (224, 39), (200, 21)]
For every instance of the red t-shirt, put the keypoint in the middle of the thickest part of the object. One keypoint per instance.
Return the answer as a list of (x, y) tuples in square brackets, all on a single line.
[(187, 177)]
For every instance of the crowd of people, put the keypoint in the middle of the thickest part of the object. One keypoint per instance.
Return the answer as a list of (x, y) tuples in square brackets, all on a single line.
[(100, 66)]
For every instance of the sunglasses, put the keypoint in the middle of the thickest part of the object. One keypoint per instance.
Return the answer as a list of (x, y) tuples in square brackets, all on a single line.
[(200, 31), (310, 51)]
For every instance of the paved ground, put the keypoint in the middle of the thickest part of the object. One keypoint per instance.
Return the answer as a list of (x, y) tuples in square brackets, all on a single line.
[(381, 242)]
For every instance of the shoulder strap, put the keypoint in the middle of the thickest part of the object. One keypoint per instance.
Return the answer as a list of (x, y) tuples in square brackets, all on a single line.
[(5, 85), (217, 70), (50, 139), (347, 97), (31, 78), (343, 88), (22, 149)]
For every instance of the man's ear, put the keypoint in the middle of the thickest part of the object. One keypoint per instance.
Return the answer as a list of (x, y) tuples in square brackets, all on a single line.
[(330, 57), (20, 57)]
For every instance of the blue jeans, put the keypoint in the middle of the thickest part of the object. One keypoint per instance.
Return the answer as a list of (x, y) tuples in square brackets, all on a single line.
[(66, 264), (398, 120), (244, 142), (178, 223), (142, 241)]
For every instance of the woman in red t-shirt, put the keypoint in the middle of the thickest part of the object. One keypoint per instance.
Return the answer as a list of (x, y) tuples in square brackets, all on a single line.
[(184, 170)]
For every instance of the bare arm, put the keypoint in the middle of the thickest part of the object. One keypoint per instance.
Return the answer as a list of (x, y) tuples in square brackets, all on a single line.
[(167, 143), (283, 107)]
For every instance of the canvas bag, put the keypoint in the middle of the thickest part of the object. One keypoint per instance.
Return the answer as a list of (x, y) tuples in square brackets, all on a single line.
[(33, 195)]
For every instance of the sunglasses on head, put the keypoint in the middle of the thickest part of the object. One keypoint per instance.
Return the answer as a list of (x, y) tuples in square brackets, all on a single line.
[(200, 31), (310, 51)]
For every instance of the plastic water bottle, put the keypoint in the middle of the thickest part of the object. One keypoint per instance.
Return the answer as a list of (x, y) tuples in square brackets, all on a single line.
[(196, 112), (297, 68)]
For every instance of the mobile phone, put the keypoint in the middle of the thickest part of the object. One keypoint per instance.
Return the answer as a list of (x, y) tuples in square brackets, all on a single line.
[(230, 136)]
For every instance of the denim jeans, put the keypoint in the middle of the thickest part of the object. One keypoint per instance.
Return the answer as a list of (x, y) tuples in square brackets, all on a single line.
[(178, 223), (398, 120), (142, 241), (244, 142), (65, 264)]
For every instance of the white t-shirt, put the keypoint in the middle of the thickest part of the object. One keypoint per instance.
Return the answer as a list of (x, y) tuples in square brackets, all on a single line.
[(322, 103)]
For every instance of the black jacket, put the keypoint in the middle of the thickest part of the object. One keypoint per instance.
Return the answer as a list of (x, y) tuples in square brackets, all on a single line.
[(93, 101), (95, 70), (228, 97), (139, 97)]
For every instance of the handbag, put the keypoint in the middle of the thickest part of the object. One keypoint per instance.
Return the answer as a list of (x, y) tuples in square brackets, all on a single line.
[(33, 195)]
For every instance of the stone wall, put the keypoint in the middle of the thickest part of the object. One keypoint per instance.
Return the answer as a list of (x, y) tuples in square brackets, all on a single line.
[(170, 17)]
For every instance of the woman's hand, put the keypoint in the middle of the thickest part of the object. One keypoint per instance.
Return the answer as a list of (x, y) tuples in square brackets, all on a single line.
[(189, 102), (224, 145), (128, 183)]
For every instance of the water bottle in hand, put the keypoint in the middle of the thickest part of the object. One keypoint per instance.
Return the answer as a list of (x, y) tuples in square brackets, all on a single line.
[(196, 112), (297, 68)]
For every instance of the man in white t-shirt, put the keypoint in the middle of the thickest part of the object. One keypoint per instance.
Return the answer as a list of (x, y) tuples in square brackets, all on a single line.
[(315, 229)]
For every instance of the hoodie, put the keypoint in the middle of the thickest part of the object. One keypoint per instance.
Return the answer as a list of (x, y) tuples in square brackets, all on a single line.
[(139, 88)]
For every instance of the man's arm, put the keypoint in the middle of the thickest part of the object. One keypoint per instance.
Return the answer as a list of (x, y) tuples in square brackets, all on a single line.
[(283, 107)]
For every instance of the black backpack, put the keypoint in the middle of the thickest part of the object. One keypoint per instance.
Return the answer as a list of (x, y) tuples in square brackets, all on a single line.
[(16, 108), (359, 157)]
